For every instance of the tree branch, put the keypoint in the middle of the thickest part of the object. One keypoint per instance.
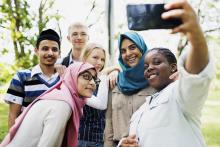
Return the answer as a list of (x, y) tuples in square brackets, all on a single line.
[(212, 30)]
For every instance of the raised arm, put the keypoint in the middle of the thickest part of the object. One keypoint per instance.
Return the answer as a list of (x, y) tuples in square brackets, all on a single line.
[(100, 101), (196, 68), (197, 57)]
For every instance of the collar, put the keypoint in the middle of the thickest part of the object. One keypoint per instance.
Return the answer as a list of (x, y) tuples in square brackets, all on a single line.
[(71, 58), (36, 70)]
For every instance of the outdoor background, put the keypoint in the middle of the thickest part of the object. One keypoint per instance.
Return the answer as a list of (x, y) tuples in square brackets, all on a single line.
[(22, 20)]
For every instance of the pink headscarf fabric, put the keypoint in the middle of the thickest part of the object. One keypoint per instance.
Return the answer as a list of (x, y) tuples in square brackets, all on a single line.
[(65, 90)]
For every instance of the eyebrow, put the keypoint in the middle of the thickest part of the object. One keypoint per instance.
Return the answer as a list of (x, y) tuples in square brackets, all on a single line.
[(130, 45), (88, 73)]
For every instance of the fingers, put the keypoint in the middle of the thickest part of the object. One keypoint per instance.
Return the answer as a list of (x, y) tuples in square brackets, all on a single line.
[(113, 77), (175, 13), (182, 10), (112, 81), (174, 76), (60, 69), (129, 143), (175, 4)]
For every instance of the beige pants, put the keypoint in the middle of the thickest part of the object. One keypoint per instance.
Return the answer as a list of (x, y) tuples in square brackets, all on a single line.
[(44, 125)]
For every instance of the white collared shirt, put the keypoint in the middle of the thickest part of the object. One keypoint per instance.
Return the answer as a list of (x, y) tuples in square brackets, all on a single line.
[(37, 70), (173, 118)]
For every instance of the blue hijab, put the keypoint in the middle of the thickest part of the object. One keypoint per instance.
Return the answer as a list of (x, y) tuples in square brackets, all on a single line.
[(131, 79)]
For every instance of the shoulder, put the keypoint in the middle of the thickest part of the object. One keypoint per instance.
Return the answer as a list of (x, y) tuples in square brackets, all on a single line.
[(24, 73), (143, 92), (147, 91)]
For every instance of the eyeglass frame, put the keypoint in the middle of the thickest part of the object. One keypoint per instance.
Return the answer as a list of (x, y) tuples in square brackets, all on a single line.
[(95, 78)]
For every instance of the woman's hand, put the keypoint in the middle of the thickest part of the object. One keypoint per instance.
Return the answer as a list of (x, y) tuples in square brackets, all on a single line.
[(113, 77), (174, 76), (112, 73), (198, 56), (60, 69), (129, 141), (181, 9), (110, 69)]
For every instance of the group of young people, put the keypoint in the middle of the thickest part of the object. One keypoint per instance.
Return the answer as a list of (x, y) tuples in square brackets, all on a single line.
[(62, 103)]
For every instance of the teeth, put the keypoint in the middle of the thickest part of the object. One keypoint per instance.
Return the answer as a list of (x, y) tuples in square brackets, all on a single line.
[(131, 59), (152, 76)]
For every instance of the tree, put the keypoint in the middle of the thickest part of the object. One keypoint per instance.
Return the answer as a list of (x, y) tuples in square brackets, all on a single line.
[(19, 21), (16, 19), (209, 17)]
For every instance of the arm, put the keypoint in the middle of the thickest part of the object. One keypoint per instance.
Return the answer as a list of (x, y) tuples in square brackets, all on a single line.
[(197, 57), (60, 69), (14, 112), (14, 97), (110, 69), (100, 101), (112, 73), (196, 68)]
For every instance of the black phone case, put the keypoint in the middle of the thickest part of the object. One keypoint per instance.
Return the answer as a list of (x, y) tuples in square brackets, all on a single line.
[(148, 16)]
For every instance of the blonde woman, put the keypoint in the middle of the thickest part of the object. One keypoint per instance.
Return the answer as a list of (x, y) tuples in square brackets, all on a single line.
[(93, 122)]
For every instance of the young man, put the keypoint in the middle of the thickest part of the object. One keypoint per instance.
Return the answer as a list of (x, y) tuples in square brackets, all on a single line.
[(28, 84), (78, 37)]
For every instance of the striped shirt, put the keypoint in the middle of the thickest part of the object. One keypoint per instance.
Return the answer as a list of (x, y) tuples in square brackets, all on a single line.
[(28, 84)]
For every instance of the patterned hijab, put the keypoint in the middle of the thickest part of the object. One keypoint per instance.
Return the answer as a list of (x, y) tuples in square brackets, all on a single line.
[(65, 90), (131, 79)]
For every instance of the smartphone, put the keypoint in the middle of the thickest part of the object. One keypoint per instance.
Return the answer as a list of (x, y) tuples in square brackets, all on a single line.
[(148, 16)]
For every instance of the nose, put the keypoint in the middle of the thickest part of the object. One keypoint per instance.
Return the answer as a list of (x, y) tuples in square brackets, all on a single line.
[(50, 52), (128, 52), (92, 82), (150, 68), (99, 61), (79, 36)]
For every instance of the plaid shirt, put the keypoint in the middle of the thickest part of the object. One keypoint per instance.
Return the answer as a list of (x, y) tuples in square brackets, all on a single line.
[(92, 124)]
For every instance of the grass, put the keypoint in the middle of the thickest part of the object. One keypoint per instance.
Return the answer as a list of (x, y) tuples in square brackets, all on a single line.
[(3, 119), (210, 120)]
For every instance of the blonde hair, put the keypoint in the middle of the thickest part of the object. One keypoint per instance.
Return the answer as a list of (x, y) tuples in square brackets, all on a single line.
[(77, 25), (88, 50)]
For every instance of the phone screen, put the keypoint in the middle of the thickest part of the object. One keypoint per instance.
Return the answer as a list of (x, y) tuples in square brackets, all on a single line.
[(148, 16)]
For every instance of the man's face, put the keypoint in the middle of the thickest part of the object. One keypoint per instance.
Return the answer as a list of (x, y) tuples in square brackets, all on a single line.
[(78, 36), (48, 52)]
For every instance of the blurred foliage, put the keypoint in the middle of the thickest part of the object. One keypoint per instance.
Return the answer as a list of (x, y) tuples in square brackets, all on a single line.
[(16, 18), (208, 12), (5, 74)]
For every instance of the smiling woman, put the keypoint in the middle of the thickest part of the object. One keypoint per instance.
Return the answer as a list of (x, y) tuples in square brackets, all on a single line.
[(158, 61), (131, 89), (60, 109), (174, 112)]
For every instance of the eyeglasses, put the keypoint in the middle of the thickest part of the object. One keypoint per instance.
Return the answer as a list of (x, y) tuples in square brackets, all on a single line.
[(88, 76)]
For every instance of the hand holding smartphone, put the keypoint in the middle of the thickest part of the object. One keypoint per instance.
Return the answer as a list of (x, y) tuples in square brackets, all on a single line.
[(148, 16)]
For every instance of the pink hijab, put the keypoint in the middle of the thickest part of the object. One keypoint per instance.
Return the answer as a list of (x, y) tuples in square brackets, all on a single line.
[(65, 90)]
